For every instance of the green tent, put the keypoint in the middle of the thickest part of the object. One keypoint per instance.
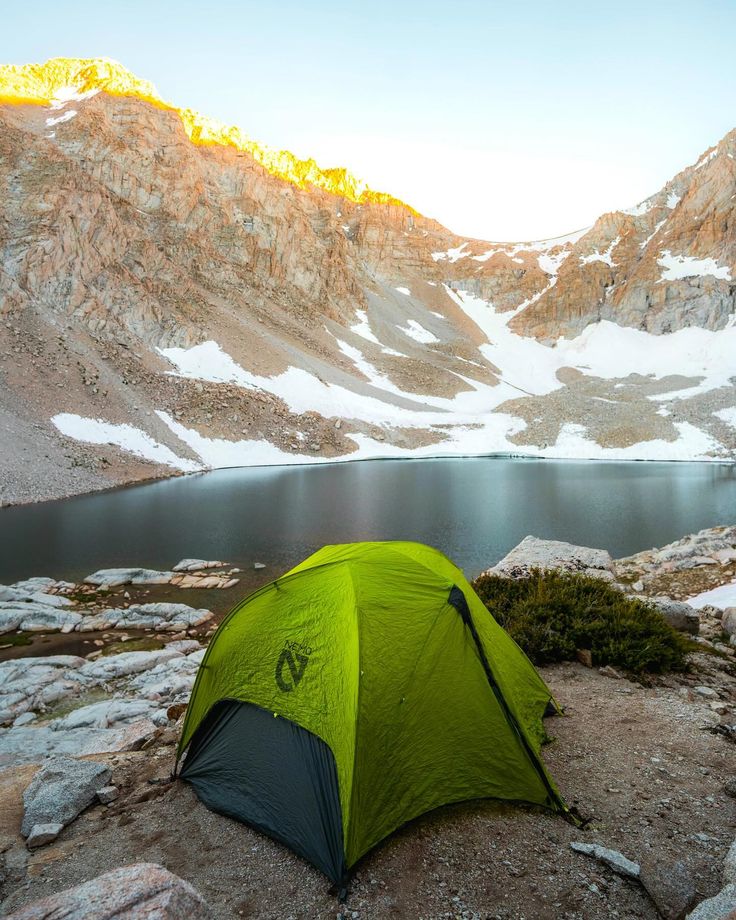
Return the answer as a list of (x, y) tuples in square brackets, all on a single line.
[(366, 686)]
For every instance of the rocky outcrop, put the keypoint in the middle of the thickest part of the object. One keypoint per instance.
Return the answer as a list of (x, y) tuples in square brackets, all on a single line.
[(142, 890), (548, 555)]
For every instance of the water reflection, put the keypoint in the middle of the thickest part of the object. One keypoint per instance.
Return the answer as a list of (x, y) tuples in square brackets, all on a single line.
[(473, 509)]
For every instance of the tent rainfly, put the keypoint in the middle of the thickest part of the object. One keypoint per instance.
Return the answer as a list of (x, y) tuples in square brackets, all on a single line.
[(365, 687)]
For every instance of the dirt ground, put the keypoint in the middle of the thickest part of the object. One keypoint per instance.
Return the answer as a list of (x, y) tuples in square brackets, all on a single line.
[(636, 760)]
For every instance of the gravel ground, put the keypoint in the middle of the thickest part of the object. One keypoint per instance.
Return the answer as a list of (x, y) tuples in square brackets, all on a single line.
[(636, 760)]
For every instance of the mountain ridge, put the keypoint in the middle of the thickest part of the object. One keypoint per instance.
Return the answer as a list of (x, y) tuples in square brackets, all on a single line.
[(167, 305)]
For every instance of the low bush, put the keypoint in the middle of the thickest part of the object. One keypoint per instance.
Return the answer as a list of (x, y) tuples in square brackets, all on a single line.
[(551, 615)]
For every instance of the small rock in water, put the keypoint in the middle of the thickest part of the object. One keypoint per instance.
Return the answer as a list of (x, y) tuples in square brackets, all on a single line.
[(43, 833), (259, 565)]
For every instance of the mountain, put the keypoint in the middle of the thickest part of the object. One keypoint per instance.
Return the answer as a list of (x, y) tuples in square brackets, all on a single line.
[(176, 296)]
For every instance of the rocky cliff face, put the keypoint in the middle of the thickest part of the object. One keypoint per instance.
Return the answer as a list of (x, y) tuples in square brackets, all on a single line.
[(174, 289)]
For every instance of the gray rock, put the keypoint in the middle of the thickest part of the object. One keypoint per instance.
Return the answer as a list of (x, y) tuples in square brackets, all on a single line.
[(142, 890), (30, 616), (533, 553), (112, 578), (163, 616), (126, 663), (60, 790), (43, 833), (680, 615), (105, 714), (729, 866), (196, 565), (671, 887), (707, 692), (728, 621), (716, 908), (612, 858), (107, 794), (34, 745)]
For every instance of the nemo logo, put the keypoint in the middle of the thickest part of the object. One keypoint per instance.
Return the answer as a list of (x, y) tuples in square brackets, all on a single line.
[(291, 665)]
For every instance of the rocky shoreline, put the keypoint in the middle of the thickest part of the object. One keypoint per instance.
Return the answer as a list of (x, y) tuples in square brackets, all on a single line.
[(118, 708)]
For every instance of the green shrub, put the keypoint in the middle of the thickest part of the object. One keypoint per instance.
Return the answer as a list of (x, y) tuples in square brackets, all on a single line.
[(552, 614)]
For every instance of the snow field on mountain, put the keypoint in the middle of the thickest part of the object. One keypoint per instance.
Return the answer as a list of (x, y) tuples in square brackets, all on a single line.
[(127, 437)]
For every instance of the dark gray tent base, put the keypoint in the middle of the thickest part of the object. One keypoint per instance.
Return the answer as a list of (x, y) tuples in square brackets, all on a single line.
[(268, 772)]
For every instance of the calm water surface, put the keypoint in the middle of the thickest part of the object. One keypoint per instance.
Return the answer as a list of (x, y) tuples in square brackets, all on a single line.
[(474, 510)]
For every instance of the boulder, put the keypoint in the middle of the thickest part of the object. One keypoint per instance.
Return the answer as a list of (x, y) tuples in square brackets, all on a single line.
[(612, 858), (550, 555), (42, 834), (680, 615), (142, 890), (716, 908), (671, 887), (61, 790), (728, 621)]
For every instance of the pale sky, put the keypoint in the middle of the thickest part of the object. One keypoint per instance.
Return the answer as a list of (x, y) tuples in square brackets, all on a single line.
[(506, 121)]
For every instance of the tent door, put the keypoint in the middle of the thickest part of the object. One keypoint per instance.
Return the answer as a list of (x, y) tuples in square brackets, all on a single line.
[(273, 774)]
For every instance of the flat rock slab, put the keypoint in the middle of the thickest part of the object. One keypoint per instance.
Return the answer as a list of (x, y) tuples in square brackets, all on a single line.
[(717, 908), (61, 790), (165, 616), (533, 553), (31, 744), (130, 893), (113, 578), (612, 858)]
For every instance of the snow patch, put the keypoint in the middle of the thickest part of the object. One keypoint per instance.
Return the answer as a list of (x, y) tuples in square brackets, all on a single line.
[(363, 328), (127, 437), (417, 332), (606, 256), (404, 290), (727, 415), (672, 200), (654, 232), (707, 158), (451, 255), (66, 94), (679, 267), (638, 210), (722, 597), (60, 119)]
